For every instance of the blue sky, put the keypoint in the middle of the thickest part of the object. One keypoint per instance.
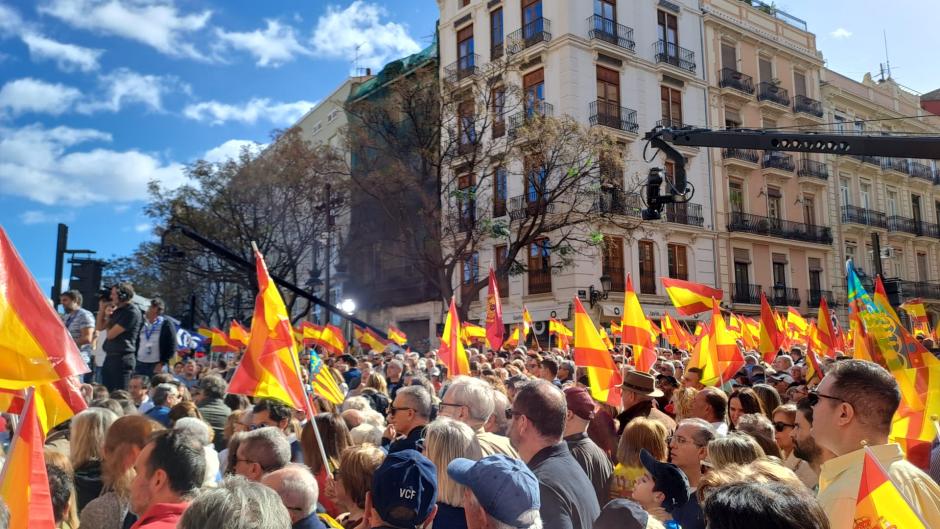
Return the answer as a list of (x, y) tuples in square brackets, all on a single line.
[(99, 96)]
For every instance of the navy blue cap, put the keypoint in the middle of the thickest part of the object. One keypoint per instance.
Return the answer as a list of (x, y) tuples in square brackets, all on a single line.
[(668, 479), (404, 488), (622, 514), (503, 486)]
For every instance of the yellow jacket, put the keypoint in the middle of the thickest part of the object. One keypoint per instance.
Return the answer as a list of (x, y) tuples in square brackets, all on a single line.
[(840, 477)]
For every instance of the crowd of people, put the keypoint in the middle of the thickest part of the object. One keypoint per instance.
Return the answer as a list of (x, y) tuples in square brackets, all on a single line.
[(519, 442)]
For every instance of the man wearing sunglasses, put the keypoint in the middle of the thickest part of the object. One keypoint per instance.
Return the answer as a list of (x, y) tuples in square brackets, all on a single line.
[(852, 409), (408, 416)]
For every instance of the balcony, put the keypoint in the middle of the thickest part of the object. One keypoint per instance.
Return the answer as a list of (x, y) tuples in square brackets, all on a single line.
[(675, 55), (535, 110), (864, 216), (806, 105), (496, 52), (900, 290), (670, 123), (775, 12), (616, 202), (610, 31), (813, 169), (689, 214), (896, 165), (783, 296), (773, 94), (736, 84), (540, 282), (900, 224), (869, 162), (745, 293), (741, 161), (778, 163), (928, 229), (785, 229), (531, 34), (525, 206), (607, 114), (921, 171), (462, 68), (813, 298)]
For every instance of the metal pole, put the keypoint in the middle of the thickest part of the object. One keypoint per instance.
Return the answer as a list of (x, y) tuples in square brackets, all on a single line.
[(62, 240), (329, 244)]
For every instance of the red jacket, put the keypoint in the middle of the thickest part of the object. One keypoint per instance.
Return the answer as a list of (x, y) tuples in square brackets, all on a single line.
[(161, 516)]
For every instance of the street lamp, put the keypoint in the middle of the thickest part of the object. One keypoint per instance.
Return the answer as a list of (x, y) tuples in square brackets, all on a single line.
[(348, 306), (596, 295)]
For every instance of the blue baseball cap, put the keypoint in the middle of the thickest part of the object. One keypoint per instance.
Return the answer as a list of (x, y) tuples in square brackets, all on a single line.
[(404, 488), (503, 486)]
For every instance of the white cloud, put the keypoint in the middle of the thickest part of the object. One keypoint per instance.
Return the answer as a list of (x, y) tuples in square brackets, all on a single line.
[(217, 113), (44, 165), (275, 45), (155, 23), (10, 21), (35, 216), (339, 32), (230, 150), (143, 227), (125, 86), (841, 33), (68, 57), (34, 95)]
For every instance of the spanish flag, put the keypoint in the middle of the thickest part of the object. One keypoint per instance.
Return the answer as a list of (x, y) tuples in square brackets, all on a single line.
[(675, 333), (814, 370), (636, 330), (526, 322), (472, 333), (270, 367), (238, 334), (616, 329), (451, 351), (880, 299), (55, 402), (332, 339), (717, 353), (825, 334), (604, 338), (221, 343), (771, 337), (591, 353), (562, 334), (879, 502), (691, 298), (395, 335), (514, 337), (24, 485), (369, 339)]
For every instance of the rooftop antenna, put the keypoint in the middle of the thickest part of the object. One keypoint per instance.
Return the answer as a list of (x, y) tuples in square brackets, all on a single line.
[(886, 67), (356, 67)]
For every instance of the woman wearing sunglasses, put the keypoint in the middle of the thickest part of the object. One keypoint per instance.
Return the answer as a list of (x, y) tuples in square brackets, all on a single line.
[(784, 421)]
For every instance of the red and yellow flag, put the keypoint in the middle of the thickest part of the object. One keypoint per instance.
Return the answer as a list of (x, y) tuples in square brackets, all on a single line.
[(56, 402), (396, 335), (704, 356), (771, 337), (452, 352), (616, 329), (604, 338), (472, 333), (526, 321), (825, 334), (562, 334), (879, 502), (750, 332), (717, 353), (514, 337), (920, 324), (591, 353), (221, 343), (880, 299), (369, 339), (494, 314), (690, 298), (238, 334), (269, 367), (797, 326), (675, 333), (323, 382), (24, 485), (814, 370), (35, 346), (636, 331)]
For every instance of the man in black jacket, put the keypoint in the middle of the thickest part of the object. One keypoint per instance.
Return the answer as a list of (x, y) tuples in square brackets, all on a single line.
[(538, 413), (408, 416), (208, 398), (122, 330)]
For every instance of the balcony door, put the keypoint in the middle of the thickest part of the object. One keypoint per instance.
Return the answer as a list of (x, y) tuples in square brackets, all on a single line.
[(922, 267), (742, 280), (613, 263), (809, 210), (799, 83), (647, 264), (608, 97), (531, 19), (668, 28), (915, 210), (891, 200), (533, 84), (729, 56), (780, 279), (465, 50), (815, 276), (535, 182)]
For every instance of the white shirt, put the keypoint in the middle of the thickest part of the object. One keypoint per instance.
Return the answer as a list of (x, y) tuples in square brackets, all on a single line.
[(148, 348), (145, 405), (721, 428), (99, 354)]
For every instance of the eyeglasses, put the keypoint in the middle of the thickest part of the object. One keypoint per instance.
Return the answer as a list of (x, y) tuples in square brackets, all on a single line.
[(392, 410), (814, 397), (680, 440), (781, 426), (450, 404)]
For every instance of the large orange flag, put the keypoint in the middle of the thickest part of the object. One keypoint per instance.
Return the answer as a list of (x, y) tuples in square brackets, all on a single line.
[(270, 367), (494, 314), (880, 503), (771, 338), (717, 353), (690, 298), (35, 346), (636, 330), (591, 353), (24, 485), (452, 352)]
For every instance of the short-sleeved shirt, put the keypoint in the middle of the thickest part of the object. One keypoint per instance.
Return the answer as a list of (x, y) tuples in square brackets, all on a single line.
[(130, 319), (75, 322)]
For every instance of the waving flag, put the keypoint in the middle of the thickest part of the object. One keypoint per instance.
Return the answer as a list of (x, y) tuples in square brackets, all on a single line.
[(880, 299), (676, 334), (604, 338), (526, 321), (494, 314), (238, 334), (879, 502), (825, 335), (368, 338), (322, 381), (472, 333), (591, 353), (914, 308), (514, 338), (24, 485), (636, 331), (221, 343), (717, 353), (269, 367), (55, 402), (562, 334), (452, 352), (396, 335), (615, 328), (814, 370), (691, 298)]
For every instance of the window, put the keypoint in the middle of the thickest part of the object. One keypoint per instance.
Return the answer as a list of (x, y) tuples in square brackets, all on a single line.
[(839, 124), (466, 203), (809, 210), (921, 266), (736, 196), (766, 69), (500, 192), (501, 252), (733, 119), (780, 270), (859, 127), (678, 262), (729, 56), (608, 97), (613, 263), (898, 263), (463, 3), (316, 128), (774, 206), (891, 198), (864, 193), (850, 252), (936, 209), (671, 100), (606, 9), (467, 133), (471, 273), (844, 192), (799, 83), (531, 19), (540, 267), (535, 180), (332, 115), (815, 277), (647, 268), (496, 33), (742, 275), (498, 109), (465, 57), (667, 26), (534, 86), (916, 211)]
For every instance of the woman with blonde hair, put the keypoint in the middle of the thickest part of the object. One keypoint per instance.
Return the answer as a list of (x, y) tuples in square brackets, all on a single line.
[(445, 440), (682, 402), (352, 481), (640, 433), (736, 448), (88, 431), (123, 442)]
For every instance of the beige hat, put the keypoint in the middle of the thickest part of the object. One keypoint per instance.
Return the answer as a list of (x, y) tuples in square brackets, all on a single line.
[(641, 383)]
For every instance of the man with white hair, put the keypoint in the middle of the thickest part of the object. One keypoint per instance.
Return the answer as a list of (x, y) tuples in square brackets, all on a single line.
[(236, 503), (298, 490), (471, 401)]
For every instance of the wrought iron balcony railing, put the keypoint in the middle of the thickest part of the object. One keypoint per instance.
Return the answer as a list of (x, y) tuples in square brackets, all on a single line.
[(773, 93), (524, 206), (730, 78), (868, 217), (813, 169), (747, 155), (774, 227), (462, 68), (610, 31), (532, 33), (902, 224), (896, 164), (922, 171), (777, 160), (783, 296), (813, 298), (671, 53), (611, 115), (534, 110), (689, 214), (617, 202), (745, 293), (807, 105)]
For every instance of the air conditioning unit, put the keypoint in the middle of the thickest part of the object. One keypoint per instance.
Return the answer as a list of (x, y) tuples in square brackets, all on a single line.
[(887, 253)]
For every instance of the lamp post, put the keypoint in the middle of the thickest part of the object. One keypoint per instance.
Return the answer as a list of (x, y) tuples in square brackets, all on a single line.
[(594, 296), (349, 307)]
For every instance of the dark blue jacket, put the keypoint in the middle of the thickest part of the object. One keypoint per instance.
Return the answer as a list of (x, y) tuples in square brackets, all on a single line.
[(161, 414), (310, 522), (413, 441)]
